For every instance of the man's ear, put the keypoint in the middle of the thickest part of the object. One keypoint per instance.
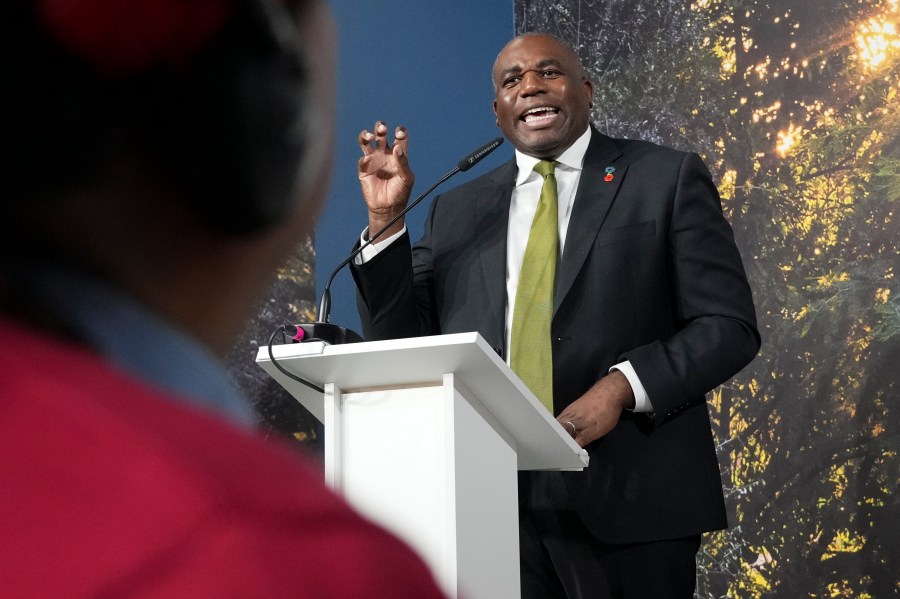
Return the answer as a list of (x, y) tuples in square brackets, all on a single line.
[(589, 90)]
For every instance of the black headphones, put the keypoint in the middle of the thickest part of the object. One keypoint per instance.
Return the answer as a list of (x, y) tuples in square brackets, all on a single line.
[(231, 121)]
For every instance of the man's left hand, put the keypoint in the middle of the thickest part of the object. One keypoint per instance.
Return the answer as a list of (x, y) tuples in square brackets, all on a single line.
[(595, 413)]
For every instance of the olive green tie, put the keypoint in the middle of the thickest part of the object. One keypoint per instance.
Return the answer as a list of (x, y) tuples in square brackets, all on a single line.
[(531, 355)]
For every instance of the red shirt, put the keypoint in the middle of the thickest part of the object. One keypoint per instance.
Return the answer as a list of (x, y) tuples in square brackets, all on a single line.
[(110, 488)]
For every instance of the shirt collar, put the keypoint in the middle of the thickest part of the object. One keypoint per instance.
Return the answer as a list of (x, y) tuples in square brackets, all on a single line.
[(138, 341), (572, 158)]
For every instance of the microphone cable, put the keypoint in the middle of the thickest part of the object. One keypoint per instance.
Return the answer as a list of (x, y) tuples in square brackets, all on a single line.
[(282, 369)]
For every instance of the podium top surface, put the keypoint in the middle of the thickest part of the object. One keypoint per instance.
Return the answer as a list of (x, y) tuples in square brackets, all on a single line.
[(541, 443)]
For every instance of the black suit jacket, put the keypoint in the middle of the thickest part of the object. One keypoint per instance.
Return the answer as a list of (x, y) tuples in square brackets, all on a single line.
[(649, 273)]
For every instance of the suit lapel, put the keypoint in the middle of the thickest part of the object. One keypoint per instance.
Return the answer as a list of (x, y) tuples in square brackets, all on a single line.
[(491, 225), (592, 201)]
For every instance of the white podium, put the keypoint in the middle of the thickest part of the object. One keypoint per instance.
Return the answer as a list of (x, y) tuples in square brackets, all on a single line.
[(424, 436)]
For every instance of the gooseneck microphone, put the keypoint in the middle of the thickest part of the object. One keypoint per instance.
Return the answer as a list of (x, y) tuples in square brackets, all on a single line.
[(323, 329)]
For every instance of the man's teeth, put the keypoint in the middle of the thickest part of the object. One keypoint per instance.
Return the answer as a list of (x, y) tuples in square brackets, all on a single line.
[(539, 113)]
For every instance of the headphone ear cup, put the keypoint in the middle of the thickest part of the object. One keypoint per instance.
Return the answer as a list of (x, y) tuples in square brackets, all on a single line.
[(230, 120), (241, 144)]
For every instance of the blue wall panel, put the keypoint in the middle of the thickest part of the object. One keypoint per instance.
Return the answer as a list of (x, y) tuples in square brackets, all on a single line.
[(423, 64)]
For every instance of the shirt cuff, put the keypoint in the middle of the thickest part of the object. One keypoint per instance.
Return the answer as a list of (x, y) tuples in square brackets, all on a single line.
[(641, 401), (370, 251)]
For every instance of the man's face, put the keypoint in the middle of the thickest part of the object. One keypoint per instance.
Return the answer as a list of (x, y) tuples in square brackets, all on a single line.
[(541, 99)]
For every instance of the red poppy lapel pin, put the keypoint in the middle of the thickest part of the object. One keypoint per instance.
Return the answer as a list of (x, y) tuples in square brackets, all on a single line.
[(609, 174)]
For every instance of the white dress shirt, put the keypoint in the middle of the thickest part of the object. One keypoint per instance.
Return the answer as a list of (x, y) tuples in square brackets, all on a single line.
[(523, 205)]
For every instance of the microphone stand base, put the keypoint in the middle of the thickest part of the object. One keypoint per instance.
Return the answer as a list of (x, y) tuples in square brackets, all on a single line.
[(331, 334)]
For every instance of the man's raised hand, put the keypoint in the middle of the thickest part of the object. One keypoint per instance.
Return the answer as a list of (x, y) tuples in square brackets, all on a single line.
[(384, 176)]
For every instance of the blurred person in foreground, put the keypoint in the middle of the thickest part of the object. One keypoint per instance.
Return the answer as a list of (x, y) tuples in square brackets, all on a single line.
[(605, 273), (159, 159)]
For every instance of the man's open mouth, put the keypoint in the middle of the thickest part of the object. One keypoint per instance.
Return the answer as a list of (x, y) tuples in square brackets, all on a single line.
[(539, 114)]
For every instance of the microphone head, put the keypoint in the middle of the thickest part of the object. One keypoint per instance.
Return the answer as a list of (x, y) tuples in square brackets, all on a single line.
[(479, 154)]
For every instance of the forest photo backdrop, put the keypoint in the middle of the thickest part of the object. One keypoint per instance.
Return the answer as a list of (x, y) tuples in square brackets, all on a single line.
[(795, 107)]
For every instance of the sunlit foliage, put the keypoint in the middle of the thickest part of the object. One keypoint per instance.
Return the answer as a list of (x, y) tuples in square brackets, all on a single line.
[(290, 300), (795, 107)]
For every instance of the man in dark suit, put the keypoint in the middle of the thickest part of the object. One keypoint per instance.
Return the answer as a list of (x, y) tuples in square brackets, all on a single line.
[(650, 310)]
